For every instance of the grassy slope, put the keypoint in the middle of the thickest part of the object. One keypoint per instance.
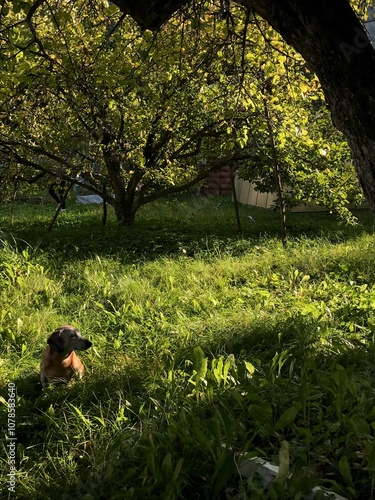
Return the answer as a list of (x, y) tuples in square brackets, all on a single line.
[(285, 351)]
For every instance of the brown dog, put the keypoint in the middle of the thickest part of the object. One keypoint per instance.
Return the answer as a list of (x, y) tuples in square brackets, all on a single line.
[(60, 363)]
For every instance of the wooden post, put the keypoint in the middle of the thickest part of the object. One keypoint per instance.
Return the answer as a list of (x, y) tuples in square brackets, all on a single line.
[(59, 207), (104, 219), (277, 175), (235, 201)]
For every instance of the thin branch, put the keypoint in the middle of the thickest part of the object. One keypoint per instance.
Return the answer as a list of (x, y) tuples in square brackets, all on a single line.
[(243, 53), (111, 31), (34, 8), (62, 34), (29, 23), (267, 40), (198, 134), (60, 175)]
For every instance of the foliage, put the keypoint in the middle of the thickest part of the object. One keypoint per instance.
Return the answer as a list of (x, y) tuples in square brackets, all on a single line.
[(101, 103), (200, 358), (92, 99), (285, 97)]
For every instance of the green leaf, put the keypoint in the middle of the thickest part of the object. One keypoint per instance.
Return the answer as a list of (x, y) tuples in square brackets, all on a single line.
[(167, 463), (199, 362), (225, 468), (287, 417), (249, 368), (177, 469), (344, 468), (283, 473)]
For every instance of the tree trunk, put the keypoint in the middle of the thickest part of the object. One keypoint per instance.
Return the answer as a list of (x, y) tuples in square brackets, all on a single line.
[(125, 215), (104, 218), (235, 201), (277, 175), (124, 202), (333, 42)]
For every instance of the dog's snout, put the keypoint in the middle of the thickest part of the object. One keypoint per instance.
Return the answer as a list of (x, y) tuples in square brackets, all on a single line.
[(88, 344), (80, 344)]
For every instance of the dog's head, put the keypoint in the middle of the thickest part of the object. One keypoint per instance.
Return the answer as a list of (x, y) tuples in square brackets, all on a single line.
[(67, 338)]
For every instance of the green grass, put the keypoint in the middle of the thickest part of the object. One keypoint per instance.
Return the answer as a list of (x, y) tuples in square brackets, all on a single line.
[(207, 347)]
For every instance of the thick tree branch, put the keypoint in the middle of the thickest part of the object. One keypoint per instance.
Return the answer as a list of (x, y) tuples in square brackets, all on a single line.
[(150, 14), (9, 147), (216, 165)]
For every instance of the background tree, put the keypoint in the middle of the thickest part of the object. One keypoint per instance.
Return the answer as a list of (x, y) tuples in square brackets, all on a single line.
[(146, 115), (297, 151), (102, 103)]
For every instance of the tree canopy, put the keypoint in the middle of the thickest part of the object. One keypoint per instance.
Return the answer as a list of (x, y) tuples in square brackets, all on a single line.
[(331, 38), (133, 115), (103, 103)]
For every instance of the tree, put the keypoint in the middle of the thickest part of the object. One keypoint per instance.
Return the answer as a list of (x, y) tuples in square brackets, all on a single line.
[(142, 114), (331, 38), (104, 104), (298, 154)]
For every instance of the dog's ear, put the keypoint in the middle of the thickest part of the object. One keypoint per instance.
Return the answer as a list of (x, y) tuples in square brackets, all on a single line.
[(55, 342)]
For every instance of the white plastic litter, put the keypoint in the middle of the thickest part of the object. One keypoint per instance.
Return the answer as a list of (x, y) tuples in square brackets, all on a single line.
[(89, 198), (268, 472)]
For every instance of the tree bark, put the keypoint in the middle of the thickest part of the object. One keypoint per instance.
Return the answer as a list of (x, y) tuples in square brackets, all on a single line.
[(125, 215), (333, 42), (235, 200), (150, 14), (104, 218)]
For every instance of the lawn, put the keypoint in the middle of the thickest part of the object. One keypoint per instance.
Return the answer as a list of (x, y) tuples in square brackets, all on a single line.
[(208, 347)]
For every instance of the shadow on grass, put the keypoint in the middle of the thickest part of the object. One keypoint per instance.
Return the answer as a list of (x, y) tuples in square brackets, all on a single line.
[(177, 226), (261, 344)]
